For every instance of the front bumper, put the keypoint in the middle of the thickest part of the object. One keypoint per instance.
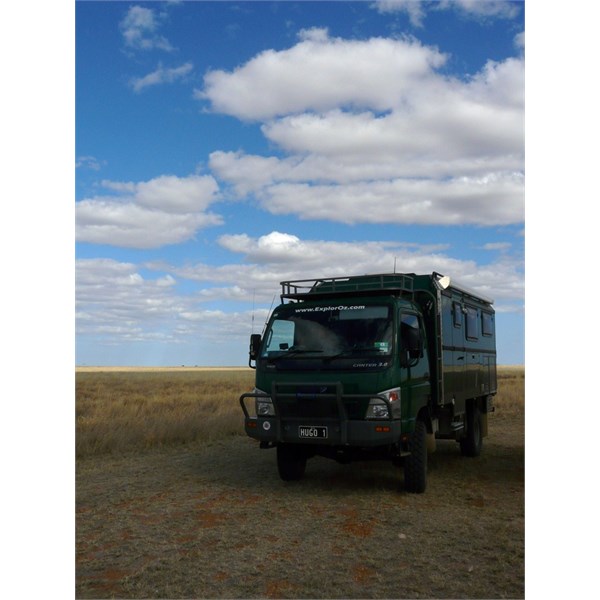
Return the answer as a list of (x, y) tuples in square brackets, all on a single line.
[(341, 431)]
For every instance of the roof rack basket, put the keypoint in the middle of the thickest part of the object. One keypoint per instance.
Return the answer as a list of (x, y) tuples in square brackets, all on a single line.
[(303, 289)]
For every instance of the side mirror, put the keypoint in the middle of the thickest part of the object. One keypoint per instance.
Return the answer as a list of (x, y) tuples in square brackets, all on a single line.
[(255, 340), (415, 348), (410, 356), (404, 358), (411, 343)]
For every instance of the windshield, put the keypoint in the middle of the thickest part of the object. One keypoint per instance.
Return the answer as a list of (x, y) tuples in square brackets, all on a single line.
[(329, 332)]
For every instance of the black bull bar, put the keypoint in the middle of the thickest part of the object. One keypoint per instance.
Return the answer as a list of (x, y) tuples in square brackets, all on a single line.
[(336, 396)]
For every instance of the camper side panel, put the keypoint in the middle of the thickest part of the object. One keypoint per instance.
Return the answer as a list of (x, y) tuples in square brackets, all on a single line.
[(469, 348)]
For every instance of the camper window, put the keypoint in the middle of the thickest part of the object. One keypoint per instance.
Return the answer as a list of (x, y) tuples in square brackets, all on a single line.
[(471, 320)]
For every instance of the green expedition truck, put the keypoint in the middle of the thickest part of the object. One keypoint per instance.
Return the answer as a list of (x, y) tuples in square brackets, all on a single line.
[(372, 367)]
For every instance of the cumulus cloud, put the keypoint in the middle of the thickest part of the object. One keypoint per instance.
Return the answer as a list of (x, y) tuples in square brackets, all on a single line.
[(115, 303), (495, 199), (439, 121), (497, 246), (114, 298), (139, 29), (177, 194), (278, 256), (161, 76), (321, 73), (252, 174), (488, 8), (371, 131), (520, 40), (119, 301), (148, 214), (88, 162), (417, 10)]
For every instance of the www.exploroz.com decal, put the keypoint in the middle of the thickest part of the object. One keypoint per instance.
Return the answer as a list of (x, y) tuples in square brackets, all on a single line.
[(326, 308)]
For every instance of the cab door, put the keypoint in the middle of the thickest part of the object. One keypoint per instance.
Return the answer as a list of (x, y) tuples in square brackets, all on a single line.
[(414, 364)]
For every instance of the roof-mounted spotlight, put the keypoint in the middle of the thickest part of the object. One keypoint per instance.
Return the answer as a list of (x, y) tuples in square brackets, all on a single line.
[(441, 281)]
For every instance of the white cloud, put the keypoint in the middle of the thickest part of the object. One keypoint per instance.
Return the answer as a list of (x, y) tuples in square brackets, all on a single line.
[(177, 194), (132, 226), (481, 119), (520, 40), (414, 9), (166, 281), (373, 133), (483, 8), (113, 297), (139, 28), (322, 73), (489, 200), (497, 246), (89, 162), (417, 10), (279, 256), (221, 294), (314, 34), (117, 302), (127, 187), (160, 76), (439, 119), (251, 174), (148, 214), (273, 248)]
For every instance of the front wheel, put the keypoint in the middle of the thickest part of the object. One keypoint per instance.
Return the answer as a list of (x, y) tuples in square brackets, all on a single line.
[(415, 465), (291, 462), (471, 443)]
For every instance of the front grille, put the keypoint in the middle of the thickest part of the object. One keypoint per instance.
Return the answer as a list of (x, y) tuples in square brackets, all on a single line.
[(307, 406), (318, 401)]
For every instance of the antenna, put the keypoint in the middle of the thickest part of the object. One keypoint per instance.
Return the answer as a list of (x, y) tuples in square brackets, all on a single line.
[(269, 313), (253, 298), (395, 257)]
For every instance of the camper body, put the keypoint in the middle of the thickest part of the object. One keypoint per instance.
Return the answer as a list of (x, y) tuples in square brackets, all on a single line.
[(374, 366)]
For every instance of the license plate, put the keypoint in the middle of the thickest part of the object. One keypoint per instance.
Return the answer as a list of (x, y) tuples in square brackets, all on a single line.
[(312, 432)]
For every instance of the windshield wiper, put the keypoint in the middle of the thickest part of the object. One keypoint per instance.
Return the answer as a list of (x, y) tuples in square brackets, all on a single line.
[(293, 353)]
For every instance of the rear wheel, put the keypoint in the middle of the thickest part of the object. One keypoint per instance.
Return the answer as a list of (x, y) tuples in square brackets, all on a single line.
[(471, 443), (415, 465), (291, 462)]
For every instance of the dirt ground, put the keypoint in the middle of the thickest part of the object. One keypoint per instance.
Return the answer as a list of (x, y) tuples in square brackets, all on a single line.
[(217, 522)]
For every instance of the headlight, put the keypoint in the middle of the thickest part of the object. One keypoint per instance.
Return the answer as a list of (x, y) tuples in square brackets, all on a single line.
[(378, 409), (264, 405)]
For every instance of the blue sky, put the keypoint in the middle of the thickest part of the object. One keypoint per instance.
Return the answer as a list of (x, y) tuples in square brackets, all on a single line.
[(222, 147)]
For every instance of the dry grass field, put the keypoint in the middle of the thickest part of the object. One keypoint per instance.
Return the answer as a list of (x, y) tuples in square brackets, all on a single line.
[(125, 409), (174, 501)]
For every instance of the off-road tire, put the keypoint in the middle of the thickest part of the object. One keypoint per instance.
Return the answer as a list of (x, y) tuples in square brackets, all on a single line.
[(472, 442), (291, 462), (415, 465)]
